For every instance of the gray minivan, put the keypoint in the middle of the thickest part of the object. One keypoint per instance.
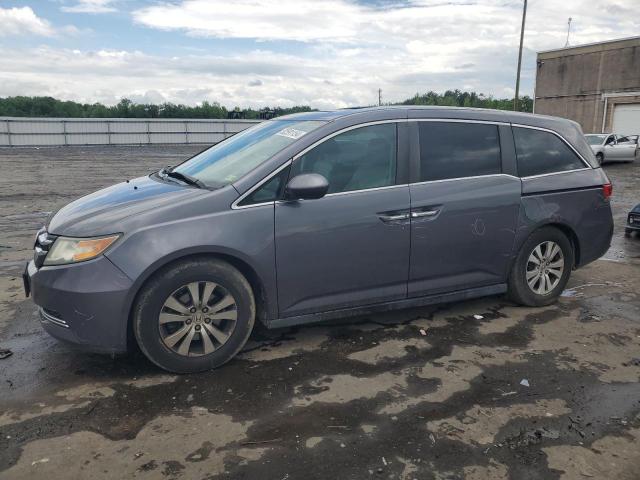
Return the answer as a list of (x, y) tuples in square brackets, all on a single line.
[(322, 215)]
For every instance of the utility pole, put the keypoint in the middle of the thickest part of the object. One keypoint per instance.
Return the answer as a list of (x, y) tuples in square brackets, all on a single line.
[(379, 97), (516, 102), (568, 33)]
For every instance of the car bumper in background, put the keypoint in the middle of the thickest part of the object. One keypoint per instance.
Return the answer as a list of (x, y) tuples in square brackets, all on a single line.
[(83, 303), (633, 222)]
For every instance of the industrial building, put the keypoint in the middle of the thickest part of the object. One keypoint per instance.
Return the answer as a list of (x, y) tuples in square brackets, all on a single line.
[(597, 85)]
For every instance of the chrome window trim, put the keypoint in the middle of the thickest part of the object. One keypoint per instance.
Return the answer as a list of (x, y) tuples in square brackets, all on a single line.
[(348, 192), (235, 206), (588, 165), (460, 120), (556, 173), (466, 178)]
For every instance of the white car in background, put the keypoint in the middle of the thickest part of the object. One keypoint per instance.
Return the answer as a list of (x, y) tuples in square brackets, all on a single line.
[(612, 147)]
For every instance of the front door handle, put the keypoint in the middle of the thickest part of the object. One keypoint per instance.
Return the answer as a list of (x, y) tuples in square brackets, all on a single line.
[(424, 213), (394, 218)]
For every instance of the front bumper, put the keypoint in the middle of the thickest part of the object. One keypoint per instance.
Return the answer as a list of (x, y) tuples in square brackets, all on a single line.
[(83, 303)]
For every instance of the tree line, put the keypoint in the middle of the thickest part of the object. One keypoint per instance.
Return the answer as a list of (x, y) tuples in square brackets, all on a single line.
[(22, 106)]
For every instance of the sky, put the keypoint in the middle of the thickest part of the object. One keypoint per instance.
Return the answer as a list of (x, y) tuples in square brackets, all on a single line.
[(256, 53)]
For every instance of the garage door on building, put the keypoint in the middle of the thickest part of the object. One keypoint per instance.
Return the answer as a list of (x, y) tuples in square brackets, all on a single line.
[(626, 119)]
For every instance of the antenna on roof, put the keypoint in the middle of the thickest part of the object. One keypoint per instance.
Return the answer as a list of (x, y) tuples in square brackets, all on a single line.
[(568, 32)]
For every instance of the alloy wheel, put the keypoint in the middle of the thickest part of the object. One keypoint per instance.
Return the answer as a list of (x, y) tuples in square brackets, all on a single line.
[(197, 318), (545, 267)]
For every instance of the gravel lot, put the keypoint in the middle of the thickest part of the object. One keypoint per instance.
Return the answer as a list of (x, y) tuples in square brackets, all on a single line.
[(371, 398)]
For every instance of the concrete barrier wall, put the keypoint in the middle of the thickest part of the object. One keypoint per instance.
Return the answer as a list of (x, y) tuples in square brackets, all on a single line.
[(25, 132)]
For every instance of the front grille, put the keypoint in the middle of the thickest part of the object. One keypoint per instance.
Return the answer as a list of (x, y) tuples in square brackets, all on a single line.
[(53, 317), (43, 243)]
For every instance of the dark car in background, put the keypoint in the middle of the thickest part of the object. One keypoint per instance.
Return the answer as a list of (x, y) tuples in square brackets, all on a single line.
[(322, 215), (633, 221)]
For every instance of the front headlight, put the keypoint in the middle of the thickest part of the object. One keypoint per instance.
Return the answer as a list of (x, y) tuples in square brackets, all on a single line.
[(71, 250)]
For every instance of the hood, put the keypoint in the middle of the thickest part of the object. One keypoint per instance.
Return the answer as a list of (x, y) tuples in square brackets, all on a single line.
[(99, 213)]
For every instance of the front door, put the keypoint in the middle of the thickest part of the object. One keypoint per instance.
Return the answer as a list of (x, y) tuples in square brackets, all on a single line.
[(463, 209), (622, 149), (351, 247)]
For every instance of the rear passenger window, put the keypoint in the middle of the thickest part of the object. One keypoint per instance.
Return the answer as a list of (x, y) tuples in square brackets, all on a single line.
[(541, 152), (455, 149)]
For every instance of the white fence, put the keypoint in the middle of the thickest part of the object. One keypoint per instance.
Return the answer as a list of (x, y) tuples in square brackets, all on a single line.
[(23, 132)]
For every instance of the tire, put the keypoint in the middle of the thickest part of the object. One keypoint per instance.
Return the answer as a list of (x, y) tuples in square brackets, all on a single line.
[(223, 283), (518, 288), (627, 232), (600, 158)]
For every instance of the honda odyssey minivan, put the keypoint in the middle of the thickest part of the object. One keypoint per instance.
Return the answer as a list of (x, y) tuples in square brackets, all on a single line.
[(322, 215)]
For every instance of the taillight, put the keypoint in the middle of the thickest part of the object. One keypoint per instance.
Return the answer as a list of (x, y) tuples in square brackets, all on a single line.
[(607, 190)]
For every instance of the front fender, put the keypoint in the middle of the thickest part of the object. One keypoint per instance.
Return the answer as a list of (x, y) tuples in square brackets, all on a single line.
[(245, 235)]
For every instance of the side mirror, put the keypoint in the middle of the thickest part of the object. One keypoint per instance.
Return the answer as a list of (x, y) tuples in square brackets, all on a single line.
[(306, 186)]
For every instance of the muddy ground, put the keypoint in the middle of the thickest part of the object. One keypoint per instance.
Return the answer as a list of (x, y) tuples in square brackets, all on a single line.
[(371, 398)]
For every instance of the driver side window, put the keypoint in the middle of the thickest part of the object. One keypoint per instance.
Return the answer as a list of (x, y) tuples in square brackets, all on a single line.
[(358, 159)]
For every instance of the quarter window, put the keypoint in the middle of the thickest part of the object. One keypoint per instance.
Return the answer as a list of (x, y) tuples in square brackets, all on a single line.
[(542, 152), (355, 160), (458, 149), (270, 191)]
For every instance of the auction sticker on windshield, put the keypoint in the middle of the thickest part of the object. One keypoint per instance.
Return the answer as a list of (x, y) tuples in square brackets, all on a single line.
[(291, 133)]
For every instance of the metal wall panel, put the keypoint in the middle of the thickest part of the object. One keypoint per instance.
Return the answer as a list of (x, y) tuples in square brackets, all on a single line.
[(88, 139), (129, 138), (36, 127), (87, 127), (206, 137), (211, 126), (168, 137), (235, 127), (172, 127), (39, 139), (19, 131)]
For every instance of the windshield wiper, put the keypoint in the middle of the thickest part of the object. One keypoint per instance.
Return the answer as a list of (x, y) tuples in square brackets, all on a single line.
[(188, 179)]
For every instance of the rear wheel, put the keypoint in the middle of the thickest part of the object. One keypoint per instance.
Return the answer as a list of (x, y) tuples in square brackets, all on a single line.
[(542, 268), (194, 316)]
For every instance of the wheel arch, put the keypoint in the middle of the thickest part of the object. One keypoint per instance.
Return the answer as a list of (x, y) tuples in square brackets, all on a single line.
[(565, 228), (571, 235), (263, 303)]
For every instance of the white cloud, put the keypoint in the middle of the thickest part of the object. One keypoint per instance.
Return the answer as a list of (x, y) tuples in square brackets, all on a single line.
[(328, 54), (22, 21), (282, 20), (91, 6)]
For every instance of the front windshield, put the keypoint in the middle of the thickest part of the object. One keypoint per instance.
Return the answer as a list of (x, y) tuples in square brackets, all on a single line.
[(595, 139), (228, 161)]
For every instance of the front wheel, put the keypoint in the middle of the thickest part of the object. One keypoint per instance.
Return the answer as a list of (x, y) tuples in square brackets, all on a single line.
[(542, 268), (194, 316), (600, 158)]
